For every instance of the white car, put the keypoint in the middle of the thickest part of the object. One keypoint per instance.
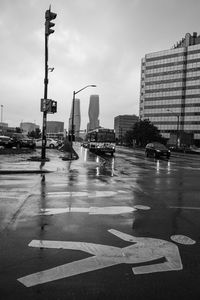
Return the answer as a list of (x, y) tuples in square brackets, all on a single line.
[(50, 143)]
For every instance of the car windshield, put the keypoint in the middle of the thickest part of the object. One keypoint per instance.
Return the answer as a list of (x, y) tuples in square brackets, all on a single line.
[(160, 146)]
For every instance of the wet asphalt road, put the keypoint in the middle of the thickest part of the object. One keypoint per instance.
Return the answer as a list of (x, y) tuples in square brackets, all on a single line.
[(148, 207)]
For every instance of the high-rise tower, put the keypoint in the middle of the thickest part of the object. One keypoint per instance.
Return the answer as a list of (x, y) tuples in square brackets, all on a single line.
[(77, 118), (93, 112)]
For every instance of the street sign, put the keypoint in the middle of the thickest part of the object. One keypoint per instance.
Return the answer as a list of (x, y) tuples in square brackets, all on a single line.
[(45, 105), (49, 106)]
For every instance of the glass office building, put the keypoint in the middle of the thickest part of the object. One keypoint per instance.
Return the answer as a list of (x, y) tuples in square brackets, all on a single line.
[(170, 89)]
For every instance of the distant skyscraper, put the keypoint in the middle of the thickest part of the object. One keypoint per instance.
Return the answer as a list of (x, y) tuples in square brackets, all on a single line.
[(93, 112), (77, 117)]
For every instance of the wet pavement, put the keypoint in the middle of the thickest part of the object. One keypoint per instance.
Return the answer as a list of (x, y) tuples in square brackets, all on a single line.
[(123, 227)]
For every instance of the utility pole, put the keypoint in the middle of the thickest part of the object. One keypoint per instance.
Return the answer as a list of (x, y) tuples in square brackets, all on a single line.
[(48, 24)]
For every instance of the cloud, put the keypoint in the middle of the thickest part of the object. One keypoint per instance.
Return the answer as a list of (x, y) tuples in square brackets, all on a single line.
[(95, 42)]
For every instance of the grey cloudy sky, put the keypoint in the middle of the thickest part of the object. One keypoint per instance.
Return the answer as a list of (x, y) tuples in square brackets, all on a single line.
[(95, 42)]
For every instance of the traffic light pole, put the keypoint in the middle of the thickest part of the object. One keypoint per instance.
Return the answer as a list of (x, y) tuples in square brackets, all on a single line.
[(48, 24), (44, 124)]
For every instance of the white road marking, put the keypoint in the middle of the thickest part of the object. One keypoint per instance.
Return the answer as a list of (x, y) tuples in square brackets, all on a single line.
[(86, 194), (142, 207), (109, 210), (185, 207), (182, 239), (144, 250)]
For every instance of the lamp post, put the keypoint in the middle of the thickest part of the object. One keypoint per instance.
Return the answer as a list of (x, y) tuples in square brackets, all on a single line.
[(177, 127), (73, 103)]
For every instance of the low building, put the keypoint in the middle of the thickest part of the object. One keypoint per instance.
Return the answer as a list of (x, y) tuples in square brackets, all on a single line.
[(55, 129), (122, 124), (3, 126), (27, 127)]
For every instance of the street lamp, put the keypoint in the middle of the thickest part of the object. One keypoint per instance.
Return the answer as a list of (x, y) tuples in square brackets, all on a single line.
[(73, 103), (177, 128)]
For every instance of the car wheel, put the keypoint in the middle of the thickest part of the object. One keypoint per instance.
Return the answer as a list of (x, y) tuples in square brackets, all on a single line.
[(18, 146), (51, 146)]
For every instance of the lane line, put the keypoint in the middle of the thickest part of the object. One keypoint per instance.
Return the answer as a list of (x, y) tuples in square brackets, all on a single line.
[(185, 207), (107, 210)]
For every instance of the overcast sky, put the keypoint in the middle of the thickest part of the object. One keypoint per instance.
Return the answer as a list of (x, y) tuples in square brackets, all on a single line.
[(95, 42)]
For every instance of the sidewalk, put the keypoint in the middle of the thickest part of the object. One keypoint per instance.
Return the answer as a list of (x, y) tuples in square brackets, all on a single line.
[(21, 163)]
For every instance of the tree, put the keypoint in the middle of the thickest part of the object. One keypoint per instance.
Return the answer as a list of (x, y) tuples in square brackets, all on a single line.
[(18, 129), (143, 132), (35, 134)]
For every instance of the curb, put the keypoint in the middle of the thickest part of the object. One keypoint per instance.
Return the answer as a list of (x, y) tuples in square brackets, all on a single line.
[(24, 171)]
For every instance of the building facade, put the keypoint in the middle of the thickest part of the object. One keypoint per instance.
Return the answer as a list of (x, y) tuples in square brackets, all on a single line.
[(77, 118), (3, 126), (93, 113), (55, 129), (122, 124), (170, 89), (27, 127)]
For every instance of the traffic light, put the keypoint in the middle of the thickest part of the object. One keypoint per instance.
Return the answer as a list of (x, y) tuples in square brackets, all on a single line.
[(53, 106), (49, 15)]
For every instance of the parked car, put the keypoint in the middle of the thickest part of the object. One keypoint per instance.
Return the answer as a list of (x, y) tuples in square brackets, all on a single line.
[(157, 150), (194, 149), (19, 140), (7, 142), (27, 143), (84, 144), (50, 143)]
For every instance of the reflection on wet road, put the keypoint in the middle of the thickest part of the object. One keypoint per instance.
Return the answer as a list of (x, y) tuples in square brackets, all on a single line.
[(105, 202)]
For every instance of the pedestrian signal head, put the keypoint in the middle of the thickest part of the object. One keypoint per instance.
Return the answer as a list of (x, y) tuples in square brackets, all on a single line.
[(53, 106)]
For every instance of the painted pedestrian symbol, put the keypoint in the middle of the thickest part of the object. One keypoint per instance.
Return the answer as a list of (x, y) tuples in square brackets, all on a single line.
[(144, 250)]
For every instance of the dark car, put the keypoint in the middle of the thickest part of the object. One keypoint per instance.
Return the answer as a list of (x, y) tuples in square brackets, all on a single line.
[(27, 143), (157, 150), (6, 142), (21, 141), (13, 142)]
